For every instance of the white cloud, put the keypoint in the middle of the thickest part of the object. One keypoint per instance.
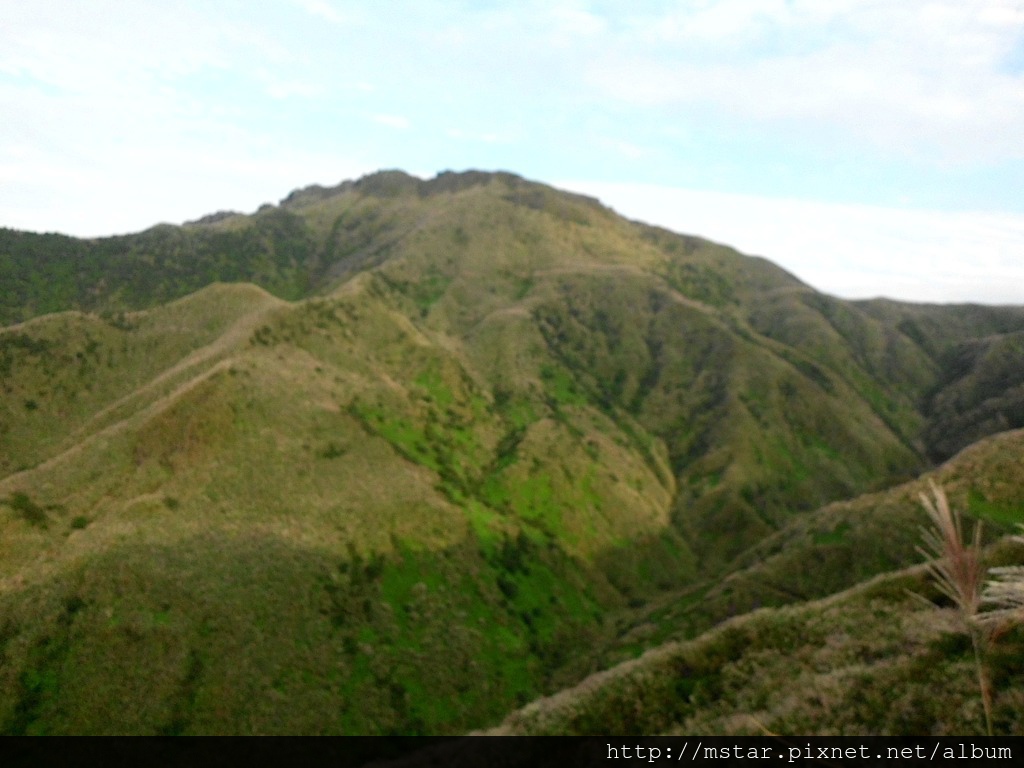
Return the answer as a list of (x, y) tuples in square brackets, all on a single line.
[(391, 121), (625, 148), (920, 76), (81, 47), (485, 137), (177, 184), (282, 88), (1007, 14), (573, 20), (119, 124), (323, 10), (130, 113), (853, 251), (716, 22)]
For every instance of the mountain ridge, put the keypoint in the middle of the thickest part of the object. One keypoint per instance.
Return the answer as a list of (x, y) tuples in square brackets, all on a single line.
[(479, 422)]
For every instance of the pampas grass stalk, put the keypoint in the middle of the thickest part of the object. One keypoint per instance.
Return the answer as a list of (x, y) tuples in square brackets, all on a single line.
[(959, 574)]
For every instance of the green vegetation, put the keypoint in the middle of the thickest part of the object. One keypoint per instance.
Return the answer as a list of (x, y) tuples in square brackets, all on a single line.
[(401, 456)]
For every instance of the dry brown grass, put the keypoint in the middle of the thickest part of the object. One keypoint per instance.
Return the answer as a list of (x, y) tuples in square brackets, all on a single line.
[(1005, 593), (955, 565)]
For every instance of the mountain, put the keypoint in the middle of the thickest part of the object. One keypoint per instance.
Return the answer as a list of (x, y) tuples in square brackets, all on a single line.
[(401, 455)]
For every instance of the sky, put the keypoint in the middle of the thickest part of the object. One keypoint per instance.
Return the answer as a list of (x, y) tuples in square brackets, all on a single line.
[(871, 147)]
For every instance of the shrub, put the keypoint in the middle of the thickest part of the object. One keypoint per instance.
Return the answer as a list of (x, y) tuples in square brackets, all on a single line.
[(29, 511)]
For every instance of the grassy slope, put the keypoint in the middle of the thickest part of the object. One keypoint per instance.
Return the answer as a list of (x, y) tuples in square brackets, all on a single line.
[(67, 376), (847, 647), (251, 499), (528, 415), (838, 546), (870, 661)]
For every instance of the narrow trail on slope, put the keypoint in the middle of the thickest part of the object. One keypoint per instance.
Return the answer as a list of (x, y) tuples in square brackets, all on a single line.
[(91, 431)]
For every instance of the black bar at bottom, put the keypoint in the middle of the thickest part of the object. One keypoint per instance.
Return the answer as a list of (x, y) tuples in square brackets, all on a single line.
[(503, 751)]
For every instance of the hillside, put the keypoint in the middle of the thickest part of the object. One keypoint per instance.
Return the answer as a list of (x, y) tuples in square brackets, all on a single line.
[(841, 545), (857, 639), (872, 660), (296, 472)]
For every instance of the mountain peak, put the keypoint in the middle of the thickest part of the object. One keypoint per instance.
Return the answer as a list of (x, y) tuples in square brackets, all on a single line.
[(393, 183)]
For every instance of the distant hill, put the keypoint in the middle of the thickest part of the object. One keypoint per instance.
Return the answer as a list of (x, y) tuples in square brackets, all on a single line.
[(297, 472)]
